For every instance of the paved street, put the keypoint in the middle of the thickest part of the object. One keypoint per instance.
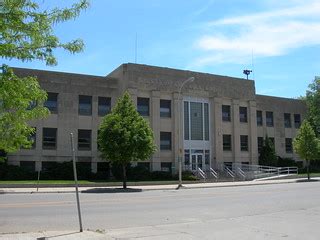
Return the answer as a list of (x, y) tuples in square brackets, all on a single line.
[(282, 211)]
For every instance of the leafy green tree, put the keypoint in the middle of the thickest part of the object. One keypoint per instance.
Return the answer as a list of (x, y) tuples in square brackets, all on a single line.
[(306, 145), (313, 103), (268, 155), (125, 136), (26, 34)]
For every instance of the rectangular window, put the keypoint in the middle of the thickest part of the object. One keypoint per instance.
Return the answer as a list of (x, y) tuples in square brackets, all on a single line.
[(52, 102), (143, 106), (166, 166), (297, 120), (187, 157), (85, 105), (165, 108), (244, 143), (206, 121), (227, 143), (186, 121), (49, 138), (288, 145), (243, 114), (226, 113), (84, 139), (259, 118), (28, 165), (196, 121), (165, 140), (207, 157), (287, 120), (269, 119), (260, 144), (103, 167), (104, 105)]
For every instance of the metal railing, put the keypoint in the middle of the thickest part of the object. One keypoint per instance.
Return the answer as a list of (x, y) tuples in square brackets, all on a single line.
[(229, 172), (202, 174), (214, 174), (241, 173)]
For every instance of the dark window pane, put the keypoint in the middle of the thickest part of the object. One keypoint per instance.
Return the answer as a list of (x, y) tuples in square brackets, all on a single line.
[(103, 167), (243, 114), (49, 138), (259, 118), (166, 166), (226, 113), (28, 165), (186, 121), (227, 143), (165, 108), (146, 165), (104, 106), (289, 145), (269, 119), (52, 102), (297, 120), (287, 120), (84, 139), (244, 143), (143, 106), (165, 140), (196, 118), (85, 105), (260, 144)]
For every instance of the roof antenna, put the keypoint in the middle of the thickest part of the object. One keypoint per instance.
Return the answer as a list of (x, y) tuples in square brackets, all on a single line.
[(247, 72)]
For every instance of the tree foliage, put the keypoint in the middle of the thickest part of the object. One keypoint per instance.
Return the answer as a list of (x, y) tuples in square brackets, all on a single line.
[(306, 145), (313, 104), (268, 155), (125, 136), (26, 34), (22, 100)]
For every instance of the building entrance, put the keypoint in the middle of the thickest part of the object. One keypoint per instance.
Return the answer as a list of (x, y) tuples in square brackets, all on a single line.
[(197, 162)]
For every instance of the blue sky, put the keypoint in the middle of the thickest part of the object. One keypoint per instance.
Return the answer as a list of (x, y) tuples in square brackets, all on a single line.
[(278, 40)]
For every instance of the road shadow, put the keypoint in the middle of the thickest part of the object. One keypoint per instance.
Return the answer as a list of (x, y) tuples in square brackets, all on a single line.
[(306, 180), (112, 190), (60, 235)]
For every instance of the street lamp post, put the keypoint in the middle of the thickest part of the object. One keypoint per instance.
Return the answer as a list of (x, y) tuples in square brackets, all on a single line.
[(190, 79)]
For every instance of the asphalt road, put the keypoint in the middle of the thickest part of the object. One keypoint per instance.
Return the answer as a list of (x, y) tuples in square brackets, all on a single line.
[(282, 211)]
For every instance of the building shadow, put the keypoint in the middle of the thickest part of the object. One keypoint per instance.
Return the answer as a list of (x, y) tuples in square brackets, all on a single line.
[(54, 236), (306, 180), (112, 190)]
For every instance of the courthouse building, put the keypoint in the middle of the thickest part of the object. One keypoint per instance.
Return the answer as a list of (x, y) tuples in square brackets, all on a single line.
[(215, 120)]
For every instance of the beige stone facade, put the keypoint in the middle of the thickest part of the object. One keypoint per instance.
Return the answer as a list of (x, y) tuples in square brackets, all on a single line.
[(213, 121)]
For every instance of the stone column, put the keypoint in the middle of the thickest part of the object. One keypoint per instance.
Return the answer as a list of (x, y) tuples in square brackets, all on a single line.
[(236, 134), (253, 133), (216, 131), (176, 138), (155, 123)]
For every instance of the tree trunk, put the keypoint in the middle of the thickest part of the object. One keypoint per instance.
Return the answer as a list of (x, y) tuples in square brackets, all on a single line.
[(308, 172), (124, 174)]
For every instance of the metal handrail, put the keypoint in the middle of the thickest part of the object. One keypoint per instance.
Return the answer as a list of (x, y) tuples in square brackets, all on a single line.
[(202, 173), (241, 173), (230, 172), (214, 173)]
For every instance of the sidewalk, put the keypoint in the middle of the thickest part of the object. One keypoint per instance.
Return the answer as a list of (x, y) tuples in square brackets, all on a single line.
[(149, 187)]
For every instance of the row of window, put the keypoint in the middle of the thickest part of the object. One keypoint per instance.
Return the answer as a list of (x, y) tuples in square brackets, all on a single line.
[(49, 139), (243, 116), (227, 143)]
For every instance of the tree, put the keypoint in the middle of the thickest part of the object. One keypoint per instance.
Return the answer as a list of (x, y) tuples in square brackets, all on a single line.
[(313, 104), (125, 136), (268, 155), (26, 34), (306, 145)]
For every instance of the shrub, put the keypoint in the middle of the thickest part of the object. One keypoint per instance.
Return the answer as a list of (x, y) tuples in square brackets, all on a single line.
[(161, 176), (11, 172)]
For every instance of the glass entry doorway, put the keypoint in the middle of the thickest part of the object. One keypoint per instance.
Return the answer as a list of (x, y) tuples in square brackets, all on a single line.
[(197, 162)]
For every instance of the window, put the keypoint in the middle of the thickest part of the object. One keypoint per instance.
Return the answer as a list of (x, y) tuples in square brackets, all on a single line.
[(166, 166), (49, 138), (196, 118), (287, 120), (243, 114), (227, 143), (228, 165), (33, 137), (165, 108), (226, 113), (28, 165), (288, 145), (85, 105), (260, 144), (297, 120), (269, 119), (186, 157), (103, 167), (145, 165), (165, 140), (104, 106), (84, 139), (52, 102), (143, 106), (47, 166), (259, 118), (244, 143), (207, 157)]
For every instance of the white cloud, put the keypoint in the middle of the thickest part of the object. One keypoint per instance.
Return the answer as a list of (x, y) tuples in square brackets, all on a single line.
[(270, 33)]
